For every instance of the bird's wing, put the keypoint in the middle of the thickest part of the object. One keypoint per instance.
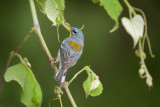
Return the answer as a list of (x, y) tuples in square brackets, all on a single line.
[(74, 57), (64, 52)]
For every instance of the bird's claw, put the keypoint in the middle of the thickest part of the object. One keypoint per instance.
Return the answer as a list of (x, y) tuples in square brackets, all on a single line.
[(53, 60)]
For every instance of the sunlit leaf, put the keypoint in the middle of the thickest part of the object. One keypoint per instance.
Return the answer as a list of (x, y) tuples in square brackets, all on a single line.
[(94, 84), (51, 10), (31, 94), (134, 26), (98, 88), (40, 4), (61, 4)]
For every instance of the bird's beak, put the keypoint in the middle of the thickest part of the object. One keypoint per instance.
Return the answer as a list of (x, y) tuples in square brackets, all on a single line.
[(69, 28)]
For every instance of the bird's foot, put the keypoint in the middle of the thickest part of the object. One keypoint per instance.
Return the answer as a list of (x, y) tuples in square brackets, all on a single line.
[(53, 60)]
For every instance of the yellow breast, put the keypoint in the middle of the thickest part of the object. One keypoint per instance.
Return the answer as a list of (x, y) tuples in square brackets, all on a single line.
[(75, 46)]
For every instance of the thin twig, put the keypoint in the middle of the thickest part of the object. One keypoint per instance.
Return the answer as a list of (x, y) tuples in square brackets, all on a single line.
[(142, 60), (52, 100), (4, 71), (11, 56), (145, 34), (75, 76), (60, 100), (130, 8), (150, 48), (145, 22)]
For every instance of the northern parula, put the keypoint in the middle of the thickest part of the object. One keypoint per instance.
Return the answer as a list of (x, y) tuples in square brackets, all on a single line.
[(70, 51)]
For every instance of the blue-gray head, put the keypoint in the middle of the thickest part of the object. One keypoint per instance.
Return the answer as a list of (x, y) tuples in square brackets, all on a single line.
[(76, 34)]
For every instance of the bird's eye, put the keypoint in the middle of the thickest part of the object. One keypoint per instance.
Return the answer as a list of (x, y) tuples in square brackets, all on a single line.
[(74, 32)]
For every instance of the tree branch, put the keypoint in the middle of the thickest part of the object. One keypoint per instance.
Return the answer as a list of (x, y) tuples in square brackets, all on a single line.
[(46, 50), (66, 90)]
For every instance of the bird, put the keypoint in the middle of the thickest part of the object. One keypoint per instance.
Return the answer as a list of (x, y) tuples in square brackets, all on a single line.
[(69, 53)]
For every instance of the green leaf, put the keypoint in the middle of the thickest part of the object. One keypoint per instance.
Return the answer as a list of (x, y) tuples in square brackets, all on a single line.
[(54, 10), (87, 82), (61, 4), (113, 8), (40, 4), (97, 91), (51, 10), (31, 94)]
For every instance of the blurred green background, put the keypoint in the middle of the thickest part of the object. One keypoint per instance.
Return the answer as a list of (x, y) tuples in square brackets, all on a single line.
[(111, 56)]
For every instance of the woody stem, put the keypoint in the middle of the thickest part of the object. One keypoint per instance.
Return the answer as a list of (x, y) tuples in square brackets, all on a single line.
[(46, 50)]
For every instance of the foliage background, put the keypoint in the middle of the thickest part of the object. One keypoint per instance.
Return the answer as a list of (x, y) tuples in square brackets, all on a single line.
[(111, 56)]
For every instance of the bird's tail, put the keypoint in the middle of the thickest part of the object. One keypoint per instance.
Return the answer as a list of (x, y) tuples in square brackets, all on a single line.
[(61, 75)]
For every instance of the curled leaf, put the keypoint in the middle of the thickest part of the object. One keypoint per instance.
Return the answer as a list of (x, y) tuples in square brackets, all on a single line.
[(87, 82), (92, 85)]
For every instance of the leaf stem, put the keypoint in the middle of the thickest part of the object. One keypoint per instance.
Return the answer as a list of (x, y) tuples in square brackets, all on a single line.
[(75, 76), (60, 100), (52, 100), (145, 34), (147, 74), (46, 50), (64, 24), (131, 10), (141, 54)]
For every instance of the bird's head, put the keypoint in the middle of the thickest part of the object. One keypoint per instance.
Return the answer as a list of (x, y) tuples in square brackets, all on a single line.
[(76, 33)]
